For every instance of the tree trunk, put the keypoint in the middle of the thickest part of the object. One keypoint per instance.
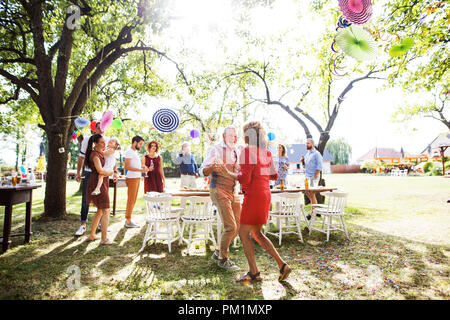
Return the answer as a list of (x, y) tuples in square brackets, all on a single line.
[(323, 140), (55, 188)]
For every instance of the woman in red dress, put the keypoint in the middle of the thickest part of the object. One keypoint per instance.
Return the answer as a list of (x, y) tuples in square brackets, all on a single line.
[(95, 161), (257, 168), (154, 179)]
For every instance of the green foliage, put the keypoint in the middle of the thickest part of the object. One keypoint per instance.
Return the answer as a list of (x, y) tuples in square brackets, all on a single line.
[(436, 171), (427, 167), (340, 150), (371, 164)]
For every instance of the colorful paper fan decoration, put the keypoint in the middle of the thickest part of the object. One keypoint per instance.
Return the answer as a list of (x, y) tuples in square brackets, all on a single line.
[(271, 136), (357, 43), (81, 122), (106, 121), (400, 49), (195, 133), (117, 124), (357, 12), (165, 120)]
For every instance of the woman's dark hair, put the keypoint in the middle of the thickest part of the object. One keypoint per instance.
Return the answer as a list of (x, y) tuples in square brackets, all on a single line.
[(283, 153), (93, 139), (148, 146)]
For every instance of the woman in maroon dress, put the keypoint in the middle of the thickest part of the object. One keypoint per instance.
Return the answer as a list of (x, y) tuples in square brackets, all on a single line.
[(95, 161), (154, 179), (257, 168)]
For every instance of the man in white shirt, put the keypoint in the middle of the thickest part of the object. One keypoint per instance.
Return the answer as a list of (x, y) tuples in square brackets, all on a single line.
[(133, 165), (222, 192), (87, 173)]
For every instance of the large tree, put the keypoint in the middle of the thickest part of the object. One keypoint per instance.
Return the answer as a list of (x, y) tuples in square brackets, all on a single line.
[(56, 52)]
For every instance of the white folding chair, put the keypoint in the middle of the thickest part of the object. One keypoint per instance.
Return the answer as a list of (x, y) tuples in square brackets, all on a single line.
[(289, 209), (160, 213), (333, 209), (198, 212)]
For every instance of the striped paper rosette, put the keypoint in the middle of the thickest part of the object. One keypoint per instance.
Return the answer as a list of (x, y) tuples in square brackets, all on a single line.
[(357, 12), (357, 43), (165, 120)]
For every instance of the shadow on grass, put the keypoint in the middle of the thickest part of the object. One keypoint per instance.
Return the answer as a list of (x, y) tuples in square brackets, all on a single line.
[(338, 269)]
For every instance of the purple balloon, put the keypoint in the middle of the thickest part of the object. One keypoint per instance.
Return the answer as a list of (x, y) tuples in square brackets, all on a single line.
[(195, 134)]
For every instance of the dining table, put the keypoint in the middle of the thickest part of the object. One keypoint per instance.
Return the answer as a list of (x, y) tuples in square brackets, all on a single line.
[(9, 196)]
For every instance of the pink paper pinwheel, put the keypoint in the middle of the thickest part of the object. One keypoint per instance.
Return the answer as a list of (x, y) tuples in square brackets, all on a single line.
[(356, 11), (106, 120)]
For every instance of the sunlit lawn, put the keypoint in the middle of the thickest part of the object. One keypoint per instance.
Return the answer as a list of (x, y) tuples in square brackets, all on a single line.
[(399, 249)]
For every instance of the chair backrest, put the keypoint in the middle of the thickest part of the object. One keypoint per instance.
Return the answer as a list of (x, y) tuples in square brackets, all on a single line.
[(197, 207), (290, 203), (158, 207), (336, 201)]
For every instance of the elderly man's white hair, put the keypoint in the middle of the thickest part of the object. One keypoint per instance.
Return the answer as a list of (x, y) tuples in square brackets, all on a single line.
[(310, 140), (185, 143), (229, 128)]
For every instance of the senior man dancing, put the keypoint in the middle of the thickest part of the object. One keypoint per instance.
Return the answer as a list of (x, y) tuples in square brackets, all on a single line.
[(222, 192)]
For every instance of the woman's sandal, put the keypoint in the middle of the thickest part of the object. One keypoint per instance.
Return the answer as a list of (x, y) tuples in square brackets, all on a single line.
[(284, 273), (107, 242), (250, 277)]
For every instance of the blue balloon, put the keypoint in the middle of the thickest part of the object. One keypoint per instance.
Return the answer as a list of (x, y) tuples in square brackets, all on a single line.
[(81, 122), (271, 136)]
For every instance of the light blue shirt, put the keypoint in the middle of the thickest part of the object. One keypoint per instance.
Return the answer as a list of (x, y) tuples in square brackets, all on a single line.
[(313, 162)]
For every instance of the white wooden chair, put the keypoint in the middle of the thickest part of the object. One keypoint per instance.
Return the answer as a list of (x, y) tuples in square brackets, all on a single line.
[(160, 213), (333, 209), (289, 210), (198, 212)]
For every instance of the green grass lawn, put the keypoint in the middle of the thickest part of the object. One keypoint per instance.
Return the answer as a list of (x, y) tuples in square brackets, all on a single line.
[(399, 248)]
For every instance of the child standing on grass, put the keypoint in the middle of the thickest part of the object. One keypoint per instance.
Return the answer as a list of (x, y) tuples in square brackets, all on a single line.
[(110, 161)]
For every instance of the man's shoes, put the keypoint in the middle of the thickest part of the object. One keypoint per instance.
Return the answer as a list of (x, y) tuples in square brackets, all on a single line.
[(131, 225), (309, 216), (81, 230), (215, 256), (227, 264)]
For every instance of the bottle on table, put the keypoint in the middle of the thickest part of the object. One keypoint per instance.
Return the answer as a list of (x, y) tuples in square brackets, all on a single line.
[(282, 184), (306, 184)]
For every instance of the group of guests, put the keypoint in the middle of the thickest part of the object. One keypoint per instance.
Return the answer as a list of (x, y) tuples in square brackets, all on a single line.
[(252, 166)]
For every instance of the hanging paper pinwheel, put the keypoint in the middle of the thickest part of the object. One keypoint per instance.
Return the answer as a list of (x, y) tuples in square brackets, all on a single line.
[(106, 121), (356, 11), (165, 120), (81, 122), (400, 49), (357, 43), (271, 136)]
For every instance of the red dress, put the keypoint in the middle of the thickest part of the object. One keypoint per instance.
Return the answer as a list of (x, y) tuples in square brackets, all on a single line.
[(257, 169), (153, 179), (101, 201)]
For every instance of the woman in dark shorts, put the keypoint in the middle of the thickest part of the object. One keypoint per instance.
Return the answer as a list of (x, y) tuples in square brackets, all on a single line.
[(257, 168), (95, 161)]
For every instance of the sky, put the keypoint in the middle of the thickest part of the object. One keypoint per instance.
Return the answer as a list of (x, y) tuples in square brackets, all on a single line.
[(365, 119)]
